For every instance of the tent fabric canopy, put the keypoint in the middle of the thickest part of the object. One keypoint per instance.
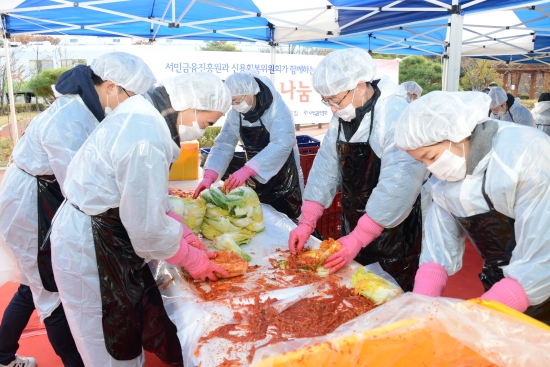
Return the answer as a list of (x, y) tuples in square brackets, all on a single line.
[(338, 23)]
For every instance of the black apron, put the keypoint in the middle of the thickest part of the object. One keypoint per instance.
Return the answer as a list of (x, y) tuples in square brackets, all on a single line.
[(49, 199), (493, 235), (396, 249), (282, 191), (133, 312)]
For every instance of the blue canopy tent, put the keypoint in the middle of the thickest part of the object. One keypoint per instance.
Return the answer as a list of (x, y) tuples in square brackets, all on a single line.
[(338, 23)]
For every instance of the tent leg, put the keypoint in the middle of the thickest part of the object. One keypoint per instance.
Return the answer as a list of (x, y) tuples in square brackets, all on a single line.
[(273, 51), (455, 53), (13, 117)]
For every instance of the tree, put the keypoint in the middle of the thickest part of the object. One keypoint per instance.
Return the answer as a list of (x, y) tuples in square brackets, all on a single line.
[(26, 38), (423, 70), (19, 74), (220, 46), (41, 83), (478, 73)]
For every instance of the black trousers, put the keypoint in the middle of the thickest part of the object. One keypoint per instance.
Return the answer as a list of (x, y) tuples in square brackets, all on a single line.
[(16, 318)]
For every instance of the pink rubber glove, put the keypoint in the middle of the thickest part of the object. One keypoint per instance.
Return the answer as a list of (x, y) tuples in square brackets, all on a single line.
[(508, 292), (190, 237), (430, 280), (311, 212), (239, 178), (196, 263), (210, 176), (366, 231)]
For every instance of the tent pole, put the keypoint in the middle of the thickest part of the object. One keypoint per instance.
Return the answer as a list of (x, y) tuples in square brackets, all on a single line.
[(13, 118), (455, 50), (273, 51)]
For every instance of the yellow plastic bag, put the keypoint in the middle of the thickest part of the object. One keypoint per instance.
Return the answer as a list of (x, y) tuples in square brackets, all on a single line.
[(415, 330)]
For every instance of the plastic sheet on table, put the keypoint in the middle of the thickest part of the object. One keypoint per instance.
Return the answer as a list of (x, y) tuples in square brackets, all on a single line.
[(415, 330), (196, 318)]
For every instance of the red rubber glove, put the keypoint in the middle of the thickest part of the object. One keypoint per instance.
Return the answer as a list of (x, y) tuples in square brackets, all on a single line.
[(430, 280), (196, 262), (239, 178), (311, 212), (366, 231), (210, 176), (190, 236), (508, 292)]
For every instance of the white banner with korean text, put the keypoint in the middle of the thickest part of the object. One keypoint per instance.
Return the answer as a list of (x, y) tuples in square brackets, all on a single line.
[(291, 74)]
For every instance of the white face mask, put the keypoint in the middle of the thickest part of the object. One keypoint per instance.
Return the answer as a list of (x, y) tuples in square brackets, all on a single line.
[(407, 98), (189, 133), (242, 107), (108, 109), (449, 167), (347, 113)]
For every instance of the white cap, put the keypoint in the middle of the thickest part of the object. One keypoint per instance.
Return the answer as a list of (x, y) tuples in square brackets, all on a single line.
[(440, 116), (498, 96), (242, 83), (412, 88), (200, 91), (342, 70), (125, 70)]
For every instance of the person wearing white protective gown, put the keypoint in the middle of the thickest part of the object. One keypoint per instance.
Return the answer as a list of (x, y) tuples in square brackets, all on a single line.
[(414, 91), (116, 218), (504, 107), (381, 210), (541, 113), (30, 195), (491, 183), (262, 121)]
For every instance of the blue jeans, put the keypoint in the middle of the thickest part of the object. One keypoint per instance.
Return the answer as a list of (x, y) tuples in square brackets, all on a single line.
[(16, 318)]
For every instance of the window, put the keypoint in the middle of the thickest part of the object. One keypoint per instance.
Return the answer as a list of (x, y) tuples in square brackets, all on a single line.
[(169, 41), (117, 40), (73, 40), (37, 66), (69, 63)]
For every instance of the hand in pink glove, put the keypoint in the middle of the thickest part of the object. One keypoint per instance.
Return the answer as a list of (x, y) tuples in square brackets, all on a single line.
[(210, 176), (190, 237), (196, 263), (430, 280), (366, 231), (239, 178), (311, 212), (508, 292)]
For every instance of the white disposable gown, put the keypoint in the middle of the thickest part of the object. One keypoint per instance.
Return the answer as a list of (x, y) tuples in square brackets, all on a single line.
[(401, 176), (278, 120), (541, 115), (518, 185), (47, 147), (124, 164), (518, 114)]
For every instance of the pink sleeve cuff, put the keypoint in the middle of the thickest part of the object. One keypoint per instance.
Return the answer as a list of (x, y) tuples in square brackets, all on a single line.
[(252, 167), (510, 293), (174, 216), (430, 280), (179, 255), (368, 229), (210, 174), (311, 212), (249, 170)]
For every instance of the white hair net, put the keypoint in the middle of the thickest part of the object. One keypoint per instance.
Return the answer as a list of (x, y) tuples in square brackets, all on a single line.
[(125, 70), (440, 116), (200, 91), (412, 88), (342, 70), (498, 96), (242, 83)]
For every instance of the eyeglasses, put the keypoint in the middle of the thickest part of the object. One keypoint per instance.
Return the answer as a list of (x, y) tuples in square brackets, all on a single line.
[(236, 103), (337, 105)]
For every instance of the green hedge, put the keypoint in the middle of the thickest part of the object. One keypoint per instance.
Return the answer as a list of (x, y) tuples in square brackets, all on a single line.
[(26, 107), (207, 140)]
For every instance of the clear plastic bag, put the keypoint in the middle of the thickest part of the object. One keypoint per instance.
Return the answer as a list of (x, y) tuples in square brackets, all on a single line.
[(9, 270), (415, 330)]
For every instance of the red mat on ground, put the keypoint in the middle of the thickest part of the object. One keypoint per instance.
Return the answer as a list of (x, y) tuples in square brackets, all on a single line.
[(465, 285)]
